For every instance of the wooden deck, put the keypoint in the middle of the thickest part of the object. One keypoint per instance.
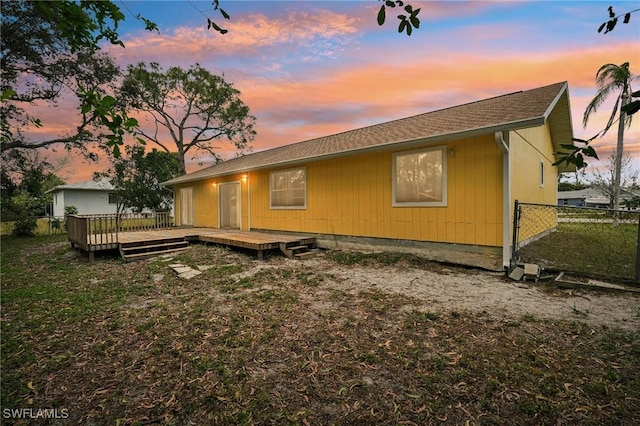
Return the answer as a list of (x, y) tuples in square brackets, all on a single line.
[(258, 241)]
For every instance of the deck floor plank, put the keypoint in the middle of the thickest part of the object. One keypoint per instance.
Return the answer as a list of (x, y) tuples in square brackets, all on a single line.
[(246, 239)]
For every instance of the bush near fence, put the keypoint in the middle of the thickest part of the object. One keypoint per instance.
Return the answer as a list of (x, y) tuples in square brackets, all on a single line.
[(45, 226), (598, 243)]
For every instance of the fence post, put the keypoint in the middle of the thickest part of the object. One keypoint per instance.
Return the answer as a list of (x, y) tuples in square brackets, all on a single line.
[(516, 218)]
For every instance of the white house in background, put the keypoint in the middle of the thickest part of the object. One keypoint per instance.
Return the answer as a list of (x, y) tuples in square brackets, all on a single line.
[(592, 197), (90, 197)]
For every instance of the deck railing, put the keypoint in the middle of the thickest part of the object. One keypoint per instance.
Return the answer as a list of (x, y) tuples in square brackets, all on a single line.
[(102, 230)]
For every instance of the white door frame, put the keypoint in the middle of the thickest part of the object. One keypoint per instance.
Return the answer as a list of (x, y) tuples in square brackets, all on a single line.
[(189, 210), (238, 203)]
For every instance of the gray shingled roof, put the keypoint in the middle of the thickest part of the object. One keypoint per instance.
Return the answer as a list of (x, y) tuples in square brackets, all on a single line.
[(90, 185), (507, 112)]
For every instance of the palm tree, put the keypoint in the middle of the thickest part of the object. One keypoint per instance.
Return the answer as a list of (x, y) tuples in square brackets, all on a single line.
[(612, 78)]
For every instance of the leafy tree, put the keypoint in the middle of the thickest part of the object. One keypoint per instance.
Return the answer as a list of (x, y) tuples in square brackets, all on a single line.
[(26, 178), (24, 206), (613, 79), (137, 178), (633, 203), (51, 48), (49, 51), (26, 174), (70, 210), (194, 107), (569, 186)]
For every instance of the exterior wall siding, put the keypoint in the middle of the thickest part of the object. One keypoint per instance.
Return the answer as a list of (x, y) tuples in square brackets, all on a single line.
[(205, 200), (530, 148), (352, 196), (87, 202)]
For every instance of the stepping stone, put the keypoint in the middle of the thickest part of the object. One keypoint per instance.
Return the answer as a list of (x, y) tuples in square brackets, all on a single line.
[(176, 265), (189, 274), (182, 269), (204, 267)]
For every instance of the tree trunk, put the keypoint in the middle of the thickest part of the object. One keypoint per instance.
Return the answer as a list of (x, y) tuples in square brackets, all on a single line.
[(182, 169), (619, 152)]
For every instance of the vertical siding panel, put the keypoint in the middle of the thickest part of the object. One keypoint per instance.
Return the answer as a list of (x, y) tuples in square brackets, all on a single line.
[(360, 189), (424, 224), (432, 219), (484, 162), (386, 201), (335, 199), (493, 174), (462, 190), (371, 189), (472, 176), (347, 203)]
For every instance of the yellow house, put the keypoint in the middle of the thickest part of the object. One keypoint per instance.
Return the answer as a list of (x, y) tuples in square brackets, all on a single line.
[(440, 184)]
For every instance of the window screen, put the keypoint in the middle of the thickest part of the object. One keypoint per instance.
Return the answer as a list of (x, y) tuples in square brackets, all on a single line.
[(420, 178), (289, 189)]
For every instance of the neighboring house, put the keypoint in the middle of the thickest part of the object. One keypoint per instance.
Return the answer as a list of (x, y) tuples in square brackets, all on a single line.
[(441, 184), (591, 197), (90, 197), (588, 197)]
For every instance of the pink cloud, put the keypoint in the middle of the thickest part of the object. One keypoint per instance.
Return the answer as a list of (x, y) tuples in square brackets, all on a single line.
[(368, 83), (248, 36)]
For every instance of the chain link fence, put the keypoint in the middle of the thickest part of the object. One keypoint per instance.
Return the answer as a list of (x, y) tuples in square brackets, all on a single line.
[(588, 242)]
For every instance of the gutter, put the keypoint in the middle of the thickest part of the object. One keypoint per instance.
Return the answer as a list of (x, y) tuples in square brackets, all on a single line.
[(502, 140)]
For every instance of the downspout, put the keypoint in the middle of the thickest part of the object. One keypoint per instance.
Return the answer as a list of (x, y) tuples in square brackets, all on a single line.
[(502, 140)]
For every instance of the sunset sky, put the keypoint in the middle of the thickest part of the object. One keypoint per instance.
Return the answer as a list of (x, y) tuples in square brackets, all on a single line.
[(312, 68)]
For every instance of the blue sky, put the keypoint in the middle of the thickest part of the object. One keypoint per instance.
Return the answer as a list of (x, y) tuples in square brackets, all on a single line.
[(308, 69)]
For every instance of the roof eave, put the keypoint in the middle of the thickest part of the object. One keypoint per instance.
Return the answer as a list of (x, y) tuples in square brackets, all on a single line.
[(564, 136), (403, 144)]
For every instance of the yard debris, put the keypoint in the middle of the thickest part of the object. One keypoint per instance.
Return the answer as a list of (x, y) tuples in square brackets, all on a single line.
[(531, 270), (564, 280), (321, 342), (517, 273)]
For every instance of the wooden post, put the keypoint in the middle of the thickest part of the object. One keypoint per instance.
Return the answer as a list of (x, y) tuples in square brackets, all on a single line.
[(516, 226)]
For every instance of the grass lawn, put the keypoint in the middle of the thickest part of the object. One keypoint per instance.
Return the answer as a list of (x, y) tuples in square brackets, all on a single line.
[(593, 249), (132, 344)]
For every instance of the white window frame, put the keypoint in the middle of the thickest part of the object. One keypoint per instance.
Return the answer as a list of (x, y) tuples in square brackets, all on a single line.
[(443, 203), (271, 175), (541, 173)]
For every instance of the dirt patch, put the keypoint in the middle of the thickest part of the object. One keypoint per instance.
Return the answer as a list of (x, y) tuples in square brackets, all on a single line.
[(450, 288), (348, 338)]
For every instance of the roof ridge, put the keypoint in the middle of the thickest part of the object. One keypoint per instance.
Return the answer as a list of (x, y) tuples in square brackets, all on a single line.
[(456, 119), (410, 117)]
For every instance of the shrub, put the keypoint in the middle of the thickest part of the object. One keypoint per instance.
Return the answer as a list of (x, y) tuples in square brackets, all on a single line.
[(25, 226)]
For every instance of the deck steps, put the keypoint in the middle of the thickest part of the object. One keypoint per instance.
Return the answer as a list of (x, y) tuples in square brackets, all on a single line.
[(300, 250), (138, 250)]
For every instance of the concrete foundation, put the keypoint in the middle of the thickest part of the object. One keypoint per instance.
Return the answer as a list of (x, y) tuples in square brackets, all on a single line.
[(462, 254)]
